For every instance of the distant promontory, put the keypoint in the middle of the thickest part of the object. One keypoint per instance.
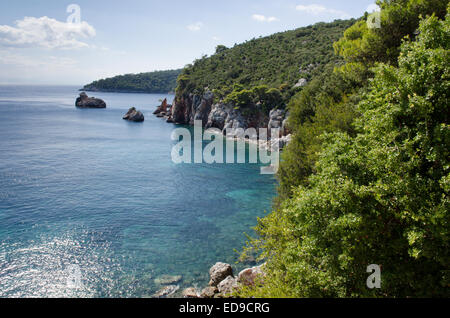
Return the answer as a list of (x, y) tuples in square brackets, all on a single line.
[(159, 82)]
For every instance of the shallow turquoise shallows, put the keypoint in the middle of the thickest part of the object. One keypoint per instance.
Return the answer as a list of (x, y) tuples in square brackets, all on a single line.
[(93, 206)]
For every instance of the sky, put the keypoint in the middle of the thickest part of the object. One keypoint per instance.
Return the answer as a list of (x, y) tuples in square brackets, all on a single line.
[(48, 42)]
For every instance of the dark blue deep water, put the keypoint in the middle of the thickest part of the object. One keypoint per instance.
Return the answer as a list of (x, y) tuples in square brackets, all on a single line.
[(85, 193)]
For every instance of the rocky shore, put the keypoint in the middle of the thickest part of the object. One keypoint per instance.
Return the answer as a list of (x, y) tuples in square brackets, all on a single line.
[(222, 284), (225, 117)]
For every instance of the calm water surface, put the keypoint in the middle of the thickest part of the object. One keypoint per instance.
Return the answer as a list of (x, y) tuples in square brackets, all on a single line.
[(88, 195)]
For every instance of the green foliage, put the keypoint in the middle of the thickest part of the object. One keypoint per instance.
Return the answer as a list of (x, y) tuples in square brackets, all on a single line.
[(377, 197), (276, 60), (267, 98), (153, 82), (336, 94), (399, 18), (327, 104)]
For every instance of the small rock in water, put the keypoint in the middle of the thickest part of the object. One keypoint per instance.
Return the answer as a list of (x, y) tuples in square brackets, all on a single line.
[(167, 291), (85, 101), (134, 115), (167, 279), (162, 109)]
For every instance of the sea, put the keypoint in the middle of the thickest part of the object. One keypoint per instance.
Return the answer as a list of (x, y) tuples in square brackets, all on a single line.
[(92, 205)]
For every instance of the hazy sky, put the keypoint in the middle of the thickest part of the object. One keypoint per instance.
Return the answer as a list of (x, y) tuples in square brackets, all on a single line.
[(39, 46)]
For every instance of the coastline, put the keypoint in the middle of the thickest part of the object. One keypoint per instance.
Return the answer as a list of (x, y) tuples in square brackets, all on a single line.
[(125, 91)]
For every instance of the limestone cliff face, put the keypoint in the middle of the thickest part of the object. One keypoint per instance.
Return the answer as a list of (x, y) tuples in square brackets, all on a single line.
[(225, 117), (186, 110)]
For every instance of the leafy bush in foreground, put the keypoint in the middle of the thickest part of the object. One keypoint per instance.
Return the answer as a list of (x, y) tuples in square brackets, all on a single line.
[(380, 197)]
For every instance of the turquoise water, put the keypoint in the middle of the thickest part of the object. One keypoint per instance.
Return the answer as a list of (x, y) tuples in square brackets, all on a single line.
[(85, 188)]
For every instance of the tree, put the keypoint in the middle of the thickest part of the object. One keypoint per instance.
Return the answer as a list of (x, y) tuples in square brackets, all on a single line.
[(380, 197)]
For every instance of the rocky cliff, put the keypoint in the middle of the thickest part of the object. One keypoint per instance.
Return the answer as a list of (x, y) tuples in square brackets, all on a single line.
[(225, 117)]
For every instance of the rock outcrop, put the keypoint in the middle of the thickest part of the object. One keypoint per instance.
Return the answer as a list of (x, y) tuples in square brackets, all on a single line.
[(134, 115), (85, 101), (209, 292), (219, 272), (218, 116), (228, 286), (250, 276), (186, 110), (162, 110), (223, 284), (225, 117), (276, 117)]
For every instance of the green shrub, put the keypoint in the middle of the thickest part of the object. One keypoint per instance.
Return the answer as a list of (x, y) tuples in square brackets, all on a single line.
[(379, 197)]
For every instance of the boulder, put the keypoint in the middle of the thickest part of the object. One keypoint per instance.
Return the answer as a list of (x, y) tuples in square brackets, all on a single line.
[(134, 115), (85, 101), (249, 276), (228, 286), (190, 293), (209, 292), (219, 272)]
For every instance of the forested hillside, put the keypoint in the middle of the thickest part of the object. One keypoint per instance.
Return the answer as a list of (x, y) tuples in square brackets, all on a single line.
[(152, 82), (277, 61), (365, 179)]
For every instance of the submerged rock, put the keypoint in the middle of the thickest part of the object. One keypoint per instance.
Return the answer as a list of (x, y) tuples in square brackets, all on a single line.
[(134, 115), (167, 291), (168, 279), (85, 101), (219, 272)]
